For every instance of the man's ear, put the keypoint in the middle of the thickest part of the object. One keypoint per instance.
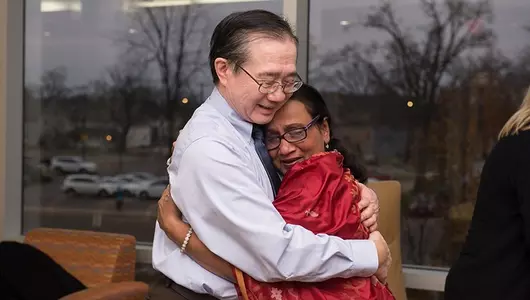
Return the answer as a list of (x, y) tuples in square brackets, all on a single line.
[(223, 69)]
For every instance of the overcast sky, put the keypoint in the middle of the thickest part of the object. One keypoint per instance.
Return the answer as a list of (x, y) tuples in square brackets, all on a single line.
[(84, 42)]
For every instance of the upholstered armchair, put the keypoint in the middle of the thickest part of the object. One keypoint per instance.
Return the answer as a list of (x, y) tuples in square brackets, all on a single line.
[(389, 194), (104, 262)]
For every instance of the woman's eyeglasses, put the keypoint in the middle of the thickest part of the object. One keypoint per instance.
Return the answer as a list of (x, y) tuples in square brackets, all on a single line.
[(292, 136)]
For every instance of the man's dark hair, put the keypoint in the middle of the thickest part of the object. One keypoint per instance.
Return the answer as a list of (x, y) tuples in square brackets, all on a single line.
[(231, 36)]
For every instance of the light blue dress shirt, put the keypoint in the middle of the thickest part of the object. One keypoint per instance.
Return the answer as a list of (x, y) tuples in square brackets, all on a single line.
[(220, 185)]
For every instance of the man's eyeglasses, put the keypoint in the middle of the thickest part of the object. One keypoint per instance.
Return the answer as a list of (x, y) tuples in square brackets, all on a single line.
[(270, 87), (292, 136)]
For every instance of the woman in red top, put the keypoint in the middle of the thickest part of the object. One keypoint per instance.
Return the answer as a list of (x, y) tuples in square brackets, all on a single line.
[(319, 191)]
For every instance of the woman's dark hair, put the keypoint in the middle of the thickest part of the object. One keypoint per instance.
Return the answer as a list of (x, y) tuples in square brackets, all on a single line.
[(315, 105), (230, 37)]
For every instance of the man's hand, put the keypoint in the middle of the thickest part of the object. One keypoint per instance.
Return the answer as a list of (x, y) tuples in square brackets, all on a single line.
[(168, 212), (383, 254), (369, 207)]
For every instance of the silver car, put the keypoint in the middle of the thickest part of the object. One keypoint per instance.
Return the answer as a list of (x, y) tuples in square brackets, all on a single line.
[(147, 189), (72, 164), (81, 184), (108, 186)]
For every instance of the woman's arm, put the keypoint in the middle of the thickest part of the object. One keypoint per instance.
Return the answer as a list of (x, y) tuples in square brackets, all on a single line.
[(169, 219)]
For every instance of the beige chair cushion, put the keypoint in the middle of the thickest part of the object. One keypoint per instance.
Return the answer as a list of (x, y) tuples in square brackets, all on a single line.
[(389, 194), (92, 257)]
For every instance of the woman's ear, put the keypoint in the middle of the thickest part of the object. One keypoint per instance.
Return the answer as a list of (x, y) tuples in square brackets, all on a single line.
[(223, 70), (324, 129)]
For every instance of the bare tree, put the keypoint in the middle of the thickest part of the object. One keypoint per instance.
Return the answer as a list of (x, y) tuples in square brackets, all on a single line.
[(77, 111), (521, 70), (413, 65), (52, 93), (53, 89), (128, 100), (352, 77), (171, 38), (126, 97)]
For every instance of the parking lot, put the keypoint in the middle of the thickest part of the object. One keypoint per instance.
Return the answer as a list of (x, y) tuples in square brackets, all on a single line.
[(45, 205)]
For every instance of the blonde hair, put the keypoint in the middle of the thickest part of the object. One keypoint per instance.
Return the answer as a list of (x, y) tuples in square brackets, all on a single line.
[(520, 120)]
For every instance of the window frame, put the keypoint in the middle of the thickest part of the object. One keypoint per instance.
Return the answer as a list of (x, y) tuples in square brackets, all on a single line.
[(12, 133), (11, 119)]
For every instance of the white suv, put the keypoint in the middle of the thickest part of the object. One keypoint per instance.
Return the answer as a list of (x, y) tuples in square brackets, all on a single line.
[(72, 164)]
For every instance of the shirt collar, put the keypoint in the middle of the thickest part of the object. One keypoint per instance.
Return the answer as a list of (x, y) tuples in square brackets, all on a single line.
[(221, 105)]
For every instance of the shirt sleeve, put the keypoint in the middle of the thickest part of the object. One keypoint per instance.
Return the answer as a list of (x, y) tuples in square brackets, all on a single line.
[(221, 198)]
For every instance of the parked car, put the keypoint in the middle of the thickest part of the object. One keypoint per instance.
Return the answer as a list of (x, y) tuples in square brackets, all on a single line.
[(72, 164), (152, 189), (81, 184), (144, 189), (142, 175), (108, 186), (136, 176)]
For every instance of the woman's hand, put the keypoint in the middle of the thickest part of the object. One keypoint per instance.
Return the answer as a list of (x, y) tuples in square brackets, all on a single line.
[(168, 213)]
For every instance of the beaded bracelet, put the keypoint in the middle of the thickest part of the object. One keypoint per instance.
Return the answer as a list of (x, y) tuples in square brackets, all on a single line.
[(186, 240)]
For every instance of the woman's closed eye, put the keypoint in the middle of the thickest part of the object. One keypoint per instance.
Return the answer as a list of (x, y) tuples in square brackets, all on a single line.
[(271, 138), (295, 134)]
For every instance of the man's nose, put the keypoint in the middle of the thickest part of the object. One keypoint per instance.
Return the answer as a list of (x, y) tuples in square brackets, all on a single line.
[(277, 96)]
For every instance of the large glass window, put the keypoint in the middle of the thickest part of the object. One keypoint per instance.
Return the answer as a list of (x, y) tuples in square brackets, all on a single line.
[(420, 90), (108, 84)]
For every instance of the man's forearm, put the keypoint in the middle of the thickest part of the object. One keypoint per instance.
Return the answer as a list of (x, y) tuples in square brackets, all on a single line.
[(306, 258), (334, 257)]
